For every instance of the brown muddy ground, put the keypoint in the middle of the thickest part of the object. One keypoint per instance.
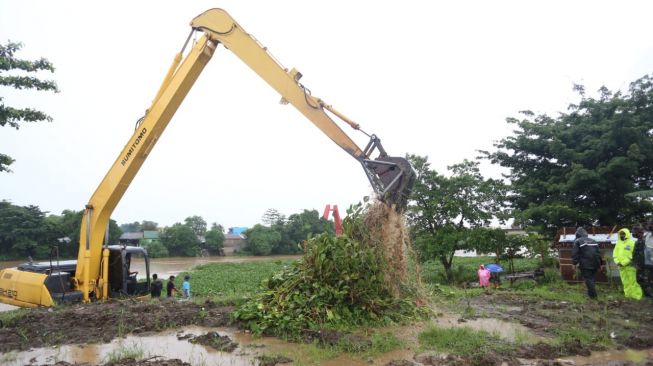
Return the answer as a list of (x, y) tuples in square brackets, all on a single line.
[(623, 323), (102, 322)]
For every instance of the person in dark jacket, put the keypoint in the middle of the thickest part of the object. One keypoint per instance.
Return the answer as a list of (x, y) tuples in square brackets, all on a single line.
[(587, 256), (156, 286), (644, 273), (171, 290)]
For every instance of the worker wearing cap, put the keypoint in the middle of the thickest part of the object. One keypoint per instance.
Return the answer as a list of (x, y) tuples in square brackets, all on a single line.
[(623, 257)]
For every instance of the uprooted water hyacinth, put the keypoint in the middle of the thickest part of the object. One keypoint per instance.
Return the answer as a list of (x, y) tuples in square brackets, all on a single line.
[(353, 279)]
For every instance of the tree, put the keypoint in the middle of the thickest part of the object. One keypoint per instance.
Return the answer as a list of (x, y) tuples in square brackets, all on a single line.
[(134, 227), (273, 217), (68, 225), (261, 239), (197, 224), (488, 240), (300, 227), (215, 239), (22, 231), (14, 116), (149, 225), (442, 209), (579, 167), (27, 231), (156, 249), (180, 240)]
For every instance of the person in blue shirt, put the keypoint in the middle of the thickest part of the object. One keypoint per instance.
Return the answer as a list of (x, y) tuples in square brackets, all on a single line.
[(185, 287)]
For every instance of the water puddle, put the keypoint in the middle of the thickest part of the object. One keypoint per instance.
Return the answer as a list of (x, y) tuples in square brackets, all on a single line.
[(169, 345), (512, 332), (165, 344), (609, 357)]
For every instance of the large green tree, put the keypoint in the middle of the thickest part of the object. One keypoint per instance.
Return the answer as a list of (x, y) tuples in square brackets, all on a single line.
[(298, 228), (261, 239), (197, 224), (578, 168), (273, 217), (10, 68), (28, 231), (215, 239), (444, 208), (180, 240)]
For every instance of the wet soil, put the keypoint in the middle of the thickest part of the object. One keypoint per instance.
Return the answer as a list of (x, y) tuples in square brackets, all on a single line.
[(215, 340), (624, 323), (102, 322), (272, 361)]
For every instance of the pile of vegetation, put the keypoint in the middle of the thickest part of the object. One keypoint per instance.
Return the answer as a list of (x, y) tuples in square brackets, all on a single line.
[(358, 278)]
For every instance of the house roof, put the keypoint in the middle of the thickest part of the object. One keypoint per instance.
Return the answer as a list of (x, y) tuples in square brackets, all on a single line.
[(131, 236), (150, 234), (599, 238)]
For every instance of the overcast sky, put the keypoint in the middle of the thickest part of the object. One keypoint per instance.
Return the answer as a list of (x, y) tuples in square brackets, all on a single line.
[(429, 78)]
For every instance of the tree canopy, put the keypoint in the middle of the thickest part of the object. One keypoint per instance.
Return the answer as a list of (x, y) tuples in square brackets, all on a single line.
[(180, 240), (215, 239), (28, 231), (443, 209), (14, 116), (579, 167)]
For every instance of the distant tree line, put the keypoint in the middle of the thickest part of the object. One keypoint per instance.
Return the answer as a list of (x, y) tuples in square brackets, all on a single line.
[(26, 231), (280, 235), (190, 239)]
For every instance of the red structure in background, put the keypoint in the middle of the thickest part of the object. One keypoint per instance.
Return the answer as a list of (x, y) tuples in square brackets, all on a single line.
[(336, 217)]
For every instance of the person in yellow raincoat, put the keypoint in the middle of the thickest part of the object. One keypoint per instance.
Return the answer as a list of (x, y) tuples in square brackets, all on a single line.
[(623, 257)]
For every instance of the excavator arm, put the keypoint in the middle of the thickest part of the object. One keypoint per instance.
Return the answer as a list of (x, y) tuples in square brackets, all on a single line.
[(391, 177)]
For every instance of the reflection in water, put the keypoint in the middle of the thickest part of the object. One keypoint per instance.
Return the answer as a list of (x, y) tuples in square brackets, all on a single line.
[(638, 357)]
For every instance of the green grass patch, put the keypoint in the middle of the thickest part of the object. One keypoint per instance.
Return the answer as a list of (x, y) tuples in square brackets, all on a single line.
[(9, 317), (382, 342), (571, 336), (461, 341), (124, 352)]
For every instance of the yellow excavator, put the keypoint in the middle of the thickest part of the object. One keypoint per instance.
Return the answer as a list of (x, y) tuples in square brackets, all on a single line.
[(102, 270)]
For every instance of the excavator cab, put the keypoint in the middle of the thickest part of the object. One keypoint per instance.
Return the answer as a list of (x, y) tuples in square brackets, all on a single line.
[(129, 271)]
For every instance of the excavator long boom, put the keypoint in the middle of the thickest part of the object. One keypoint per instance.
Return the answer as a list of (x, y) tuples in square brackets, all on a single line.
[(391, 177)]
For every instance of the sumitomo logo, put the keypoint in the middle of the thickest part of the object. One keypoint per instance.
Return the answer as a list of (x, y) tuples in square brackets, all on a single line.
[(133, 147)]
